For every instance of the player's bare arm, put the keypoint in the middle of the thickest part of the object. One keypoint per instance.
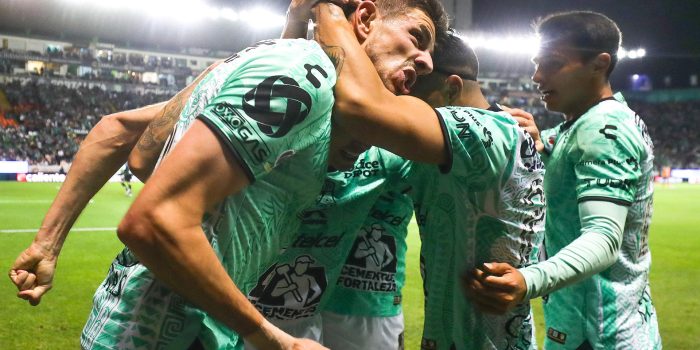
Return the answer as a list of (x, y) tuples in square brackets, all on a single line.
[(403, 125), (144, 157), (163, 229), (103, 151)]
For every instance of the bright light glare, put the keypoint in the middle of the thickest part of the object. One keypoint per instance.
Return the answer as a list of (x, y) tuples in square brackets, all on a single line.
[(632, 54), (191, 10), (525, 45)]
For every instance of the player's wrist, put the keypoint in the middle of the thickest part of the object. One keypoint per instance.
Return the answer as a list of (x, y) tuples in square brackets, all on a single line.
[(49, 246), (298, 14), (268, 336)]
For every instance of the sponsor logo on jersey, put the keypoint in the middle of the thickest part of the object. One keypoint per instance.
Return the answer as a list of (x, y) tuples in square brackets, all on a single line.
[(364, 168), (249, 138), (615, 183), (290, 291), (556, 335), (317, 241), (265, 102), (371, 265)]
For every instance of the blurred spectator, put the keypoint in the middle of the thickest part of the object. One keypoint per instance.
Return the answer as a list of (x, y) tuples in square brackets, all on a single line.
[(46, 123)]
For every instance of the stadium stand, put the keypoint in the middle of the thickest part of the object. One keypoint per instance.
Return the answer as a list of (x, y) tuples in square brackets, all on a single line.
[(43, 123)]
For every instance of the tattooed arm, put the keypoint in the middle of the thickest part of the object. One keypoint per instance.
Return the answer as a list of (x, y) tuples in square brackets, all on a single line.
[(364, 107), (103, 151), (144, 157)]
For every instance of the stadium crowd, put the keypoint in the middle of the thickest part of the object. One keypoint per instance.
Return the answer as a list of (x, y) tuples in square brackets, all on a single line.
[(44, 123)]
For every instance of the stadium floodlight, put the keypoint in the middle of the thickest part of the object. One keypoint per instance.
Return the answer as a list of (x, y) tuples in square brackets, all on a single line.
[(192, 10), (526, 45), (262, 18)]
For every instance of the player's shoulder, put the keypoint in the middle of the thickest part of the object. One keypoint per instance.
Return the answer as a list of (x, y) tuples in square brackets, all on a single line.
[(478, 116), (610, 119), (609, 110)]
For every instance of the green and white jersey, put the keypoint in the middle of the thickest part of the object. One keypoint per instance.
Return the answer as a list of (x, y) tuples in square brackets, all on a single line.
[(372, 278), (486, 205), (299, 283), (604, 155), (270, 105)]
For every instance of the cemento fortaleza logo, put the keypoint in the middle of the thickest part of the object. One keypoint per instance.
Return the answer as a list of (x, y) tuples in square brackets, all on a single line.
[(371, 265), (277, 104), (290, 291)]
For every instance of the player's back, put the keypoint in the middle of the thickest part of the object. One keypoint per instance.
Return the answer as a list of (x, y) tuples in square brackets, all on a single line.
[(489, 206)]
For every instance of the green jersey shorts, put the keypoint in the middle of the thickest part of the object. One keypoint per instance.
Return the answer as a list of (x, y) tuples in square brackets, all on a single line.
[(604, 155), (270, 106), (486, 204)]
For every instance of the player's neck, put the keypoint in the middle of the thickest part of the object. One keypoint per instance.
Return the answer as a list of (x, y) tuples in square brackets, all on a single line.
[(472, 98), (604, 92)]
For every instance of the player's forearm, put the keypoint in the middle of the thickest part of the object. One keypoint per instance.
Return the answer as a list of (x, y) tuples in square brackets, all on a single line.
[(365, 108), (296, 26), (101, 154), (602, 225), (182, 258)]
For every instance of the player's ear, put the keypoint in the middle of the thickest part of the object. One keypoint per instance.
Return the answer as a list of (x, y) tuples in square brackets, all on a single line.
[(601, 63), (362, 19), (454, 85)]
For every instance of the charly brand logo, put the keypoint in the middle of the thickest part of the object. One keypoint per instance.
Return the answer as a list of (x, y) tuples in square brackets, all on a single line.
[(277, 104), (371, 264), (607, 132), (290, 291)]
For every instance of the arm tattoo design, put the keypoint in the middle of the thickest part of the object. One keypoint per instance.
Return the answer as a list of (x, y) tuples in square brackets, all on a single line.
[(337, 56), (163, 124)]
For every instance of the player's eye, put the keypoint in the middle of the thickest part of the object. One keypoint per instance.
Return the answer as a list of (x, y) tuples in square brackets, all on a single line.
[(417, 38)]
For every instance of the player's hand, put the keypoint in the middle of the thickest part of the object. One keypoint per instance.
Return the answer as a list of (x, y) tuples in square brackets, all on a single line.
[(32, 273), (292, 286), (300, 10), (527, 122), (270, 337), (371, 250), (496, 288)]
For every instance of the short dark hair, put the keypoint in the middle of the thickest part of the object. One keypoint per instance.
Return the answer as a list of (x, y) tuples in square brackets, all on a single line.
[(590, 33), (454, 56), (432, 8)]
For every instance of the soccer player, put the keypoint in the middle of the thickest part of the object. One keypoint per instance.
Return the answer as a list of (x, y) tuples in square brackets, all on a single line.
[(103, 151), (178, 251), (599, 193), (125, 176), (483, 202)]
